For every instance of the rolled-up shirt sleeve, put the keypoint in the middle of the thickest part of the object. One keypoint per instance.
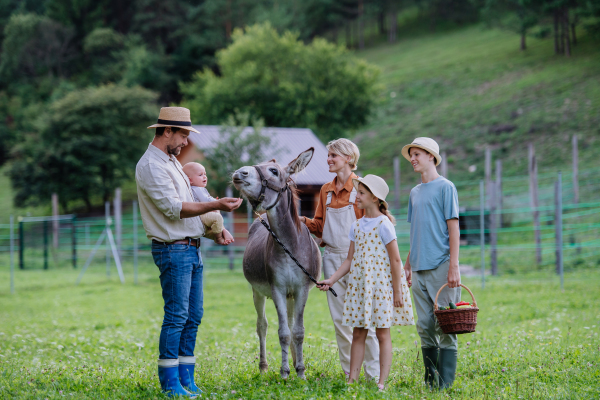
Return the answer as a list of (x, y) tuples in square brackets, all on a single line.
[(315, 225), (159, 187)]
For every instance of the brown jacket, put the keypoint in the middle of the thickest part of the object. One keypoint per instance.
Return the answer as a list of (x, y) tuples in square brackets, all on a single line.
[(339, 199)]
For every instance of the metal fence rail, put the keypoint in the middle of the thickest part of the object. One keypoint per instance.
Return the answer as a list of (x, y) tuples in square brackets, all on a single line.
[(68, 241)]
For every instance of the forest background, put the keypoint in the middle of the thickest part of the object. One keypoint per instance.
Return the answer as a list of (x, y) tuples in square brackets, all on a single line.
[(81, 79)]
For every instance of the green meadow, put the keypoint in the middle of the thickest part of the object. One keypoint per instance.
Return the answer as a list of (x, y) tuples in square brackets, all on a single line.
[(472, 87), (99, 340)]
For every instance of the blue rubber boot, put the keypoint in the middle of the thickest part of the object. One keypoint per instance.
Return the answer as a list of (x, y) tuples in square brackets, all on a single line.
[(169, 381), (186, 374)]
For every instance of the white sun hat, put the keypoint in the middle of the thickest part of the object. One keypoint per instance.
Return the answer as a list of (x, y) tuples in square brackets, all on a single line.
[(426, 144), (376, 185), (178, 117)]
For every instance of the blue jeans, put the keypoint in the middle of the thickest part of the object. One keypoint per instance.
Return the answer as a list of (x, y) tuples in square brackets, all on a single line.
[(180, 268)]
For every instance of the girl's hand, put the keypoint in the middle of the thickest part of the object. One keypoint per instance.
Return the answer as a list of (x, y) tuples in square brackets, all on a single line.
[(398, 300), (325, 284)]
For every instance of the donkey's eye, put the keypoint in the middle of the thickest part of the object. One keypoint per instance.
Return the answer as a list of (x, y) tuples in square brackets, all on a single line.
[(274, 171)]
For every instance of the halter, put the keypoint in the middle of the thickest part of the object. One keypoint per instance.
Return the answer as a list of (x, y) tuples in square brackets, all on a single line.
[(265, 184)]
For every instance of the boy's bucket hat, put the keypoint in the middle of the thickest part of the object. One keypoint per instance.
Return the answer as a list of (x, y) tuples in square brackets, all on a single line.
[(178, 117), (426, 144), (376, 185)]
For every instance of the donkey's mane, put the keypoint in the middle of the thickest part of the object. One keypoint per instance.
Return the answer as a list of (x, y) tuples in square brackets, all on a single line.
[(294, 206)]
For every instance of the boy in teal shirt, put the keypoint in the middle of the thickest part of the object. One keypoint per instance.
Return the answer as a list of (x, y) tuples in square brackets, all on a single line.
[(433, 258)]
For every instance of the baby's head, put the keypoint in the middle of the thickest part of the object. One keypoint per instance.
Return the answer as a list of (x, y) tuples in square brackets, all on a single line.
[(196, 173)]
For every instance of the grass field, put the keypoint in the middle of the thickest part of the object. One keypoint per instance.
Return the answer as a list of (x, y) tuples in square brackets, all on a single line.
[(99, 341)]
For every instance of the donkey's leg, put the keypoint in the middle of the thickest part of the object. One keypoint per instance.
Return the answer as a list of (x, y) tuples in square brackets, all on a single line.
[(279, 298), (261, 328), (298, 330), (291, 319)]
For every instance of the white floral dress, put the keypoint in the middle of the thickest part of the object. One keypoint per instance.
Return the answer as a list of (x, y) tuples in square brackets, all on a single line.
[(370, 297)]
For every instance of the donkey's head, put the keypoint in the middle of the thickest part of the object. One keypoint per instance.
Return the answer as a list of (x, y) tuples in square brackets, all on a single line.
[(264, 184)]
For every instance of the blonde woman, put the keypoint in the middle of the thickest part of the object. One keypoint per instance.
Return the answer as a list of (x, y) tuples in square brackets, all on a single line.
[(336, 212)]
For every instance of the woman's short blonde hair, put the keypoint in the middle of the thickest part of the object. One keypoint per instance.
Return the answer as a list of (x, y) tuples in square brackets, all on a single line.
[(345, 148)]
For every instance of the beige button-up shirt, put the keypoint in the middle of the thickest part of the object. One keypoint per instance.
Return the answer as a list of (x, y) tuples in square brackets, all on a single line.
[(162, 187)]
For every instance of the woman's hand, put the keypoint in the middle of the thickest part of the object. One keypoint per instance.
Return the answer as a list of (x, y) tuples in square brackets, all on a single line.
[(324, 285), (398, 298), (303, 220)]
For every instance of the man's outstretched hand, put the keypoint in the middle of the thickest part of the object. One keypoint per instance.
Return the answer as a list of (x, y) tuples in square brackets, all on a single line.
[(229, 204)]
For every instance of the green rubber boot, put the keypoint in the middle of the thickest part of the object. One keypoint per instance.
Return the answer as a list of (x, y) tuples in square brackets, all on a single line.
[(430, 360), (447, 367)]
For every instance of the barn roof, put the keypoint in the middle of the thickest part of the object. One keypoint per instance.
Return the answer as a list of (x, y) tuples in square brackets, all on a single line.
[(286, 144)]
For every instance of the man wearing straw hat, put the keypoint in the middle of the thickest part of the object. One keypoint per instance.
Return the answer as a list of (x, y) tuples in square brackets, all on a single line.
[(171, 220), (433, 258)]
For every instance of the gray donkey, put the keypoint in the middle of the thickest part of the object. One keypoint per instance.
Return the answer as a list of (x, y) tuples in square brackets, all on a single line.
[(270, 271)]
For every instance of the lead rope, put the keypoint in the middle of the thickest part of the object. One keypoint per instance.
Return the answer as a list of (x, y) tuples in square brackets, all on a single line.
[(262, 221)]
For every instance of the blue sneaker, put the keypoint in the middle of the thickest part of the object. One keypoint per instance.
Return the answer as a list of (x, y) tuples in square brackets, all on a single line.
[(186, 374)]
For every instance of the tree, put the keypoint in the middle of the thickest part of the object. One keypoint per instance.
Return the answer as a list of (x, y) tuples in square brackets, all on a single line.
[(90, 145), (287, 83), (241, 144), (34, 45), (516, 15)]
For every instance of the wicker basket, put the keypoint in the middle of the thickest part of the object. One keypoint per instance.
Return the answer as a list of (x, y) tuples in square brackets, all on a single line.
[(457, 321)]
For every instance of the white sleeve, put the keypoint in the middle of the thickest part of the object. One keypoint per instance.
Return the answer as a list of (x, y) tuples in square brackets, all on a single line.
[(387, 232), (159, 187), (202, 194), (351, 233)]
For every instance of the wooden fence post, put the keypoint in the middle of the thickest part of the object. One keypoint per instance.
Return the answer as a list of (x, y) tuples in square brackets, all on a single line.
[(106, 244), (444, 165), (499, 196), (118, 212), (12, 254), (558, 227), (482, 231), (533, 192), (493, 227)]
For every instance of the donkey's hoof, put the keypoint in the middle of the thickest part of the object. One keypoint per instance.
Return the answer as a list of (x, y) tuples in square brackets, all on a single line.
[(263, 366), (300, 372), (285, 373)]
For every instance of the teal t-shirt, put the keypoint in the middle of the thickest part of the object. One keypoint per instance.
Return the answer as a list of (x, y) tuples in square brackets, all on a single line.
[(429, 207)]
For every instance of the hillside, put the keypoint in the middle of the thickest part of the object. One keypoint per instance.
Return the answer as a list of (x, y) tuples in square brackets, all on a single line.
[(471, 88)]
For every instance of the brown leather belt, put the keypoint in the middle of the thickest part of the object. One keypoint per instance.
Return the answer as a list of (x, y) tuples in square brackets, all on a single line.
[(190, 241)]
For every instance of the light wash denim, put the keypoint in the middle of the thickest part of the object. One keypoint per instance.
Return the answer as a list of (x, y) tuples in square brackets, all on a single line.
[(425, 286), (181, 269)]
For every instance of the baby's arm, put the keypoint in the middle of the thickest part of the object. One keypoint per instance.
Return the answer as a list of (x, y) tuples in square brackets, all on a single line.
[(395, 262), (343, 270)]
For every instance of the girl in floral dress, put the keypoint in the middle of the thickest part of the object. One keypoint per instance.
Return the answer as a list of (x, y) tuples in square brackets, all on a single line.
[(377, 295)]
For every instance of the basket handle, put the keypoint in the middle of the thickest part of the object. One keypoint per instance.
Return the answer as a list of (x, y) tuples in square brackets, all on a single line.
[(435, 304)]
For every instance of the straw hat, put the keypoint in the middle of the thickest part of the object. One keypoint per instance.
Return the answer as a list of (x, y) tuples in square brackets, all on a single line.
[(426, 144), (178, 117), (376, 185)]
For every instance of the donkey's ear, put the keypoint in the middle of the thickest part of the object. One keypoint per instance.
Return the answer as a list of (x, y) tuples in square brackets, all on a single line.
[(300, 162)]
